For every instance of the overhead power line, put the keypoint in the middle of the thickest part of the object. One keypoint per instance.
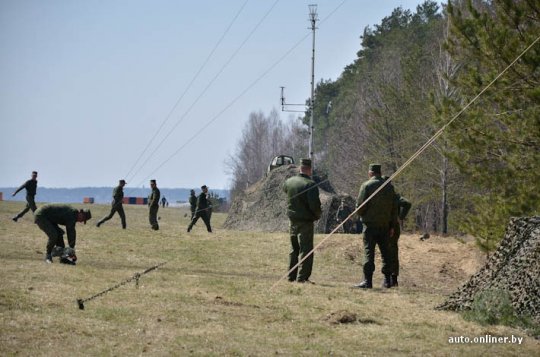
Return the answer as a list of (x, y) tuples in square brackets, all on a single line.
[(246, 90), (209, 85), (188, 87)]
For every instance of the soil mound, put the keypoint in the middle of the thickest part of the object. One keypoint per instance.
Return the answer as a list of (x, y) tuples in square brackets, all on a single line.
[(513, 268), (263, 206)]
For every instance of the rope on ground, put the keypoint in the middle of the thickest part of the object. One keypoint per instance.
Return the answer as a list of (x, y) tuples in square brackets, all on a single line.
[(136, 277), (408, 162)]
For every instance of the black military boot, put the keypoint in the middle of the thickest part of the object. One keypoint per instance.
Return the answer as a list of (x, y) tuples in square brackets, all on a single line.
[(394, 281), (387, 281)]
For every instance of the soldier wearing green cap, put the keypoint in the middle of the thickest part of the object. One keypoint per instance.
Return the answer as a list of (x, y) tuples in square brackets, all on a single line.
[(376, 215), (153, 204), (303, 208), (49, 216), (116, 205), (31, 187)]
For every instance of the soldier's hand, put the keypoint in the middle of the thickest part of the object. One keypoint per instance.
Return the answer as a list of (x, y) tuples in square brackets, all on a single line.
[(391, 232), (13, 194)]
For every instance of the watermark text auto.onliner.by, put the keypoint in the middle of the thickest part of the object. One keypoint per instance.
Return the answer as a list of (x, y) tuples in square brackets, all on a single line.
[(486, 339)]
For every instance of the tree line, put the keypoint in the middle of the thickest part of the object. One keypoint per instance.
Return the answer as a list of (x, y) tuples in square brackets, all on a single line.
[(414, 72)]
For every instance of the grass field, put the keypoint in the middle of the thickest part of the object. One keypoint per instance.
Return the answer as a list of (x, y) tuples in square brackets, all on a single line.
[(213, 297)]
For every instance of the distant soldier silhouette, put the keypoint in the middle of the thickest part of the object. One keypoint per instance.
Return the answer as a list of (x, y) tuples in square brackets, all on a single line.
[(164, 202), (193, 203), (202, 210), (153, 205), (116, 205), (31, 188)]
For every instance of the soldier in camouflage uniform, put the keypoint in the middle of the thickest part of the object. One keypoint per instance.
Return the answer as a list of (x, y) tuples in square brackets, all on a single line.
[(303, 208), (401, 208), (153, 204), (201, 210), (192, 203), (116, 205), (31, 188), (376, 216), (49, 216)]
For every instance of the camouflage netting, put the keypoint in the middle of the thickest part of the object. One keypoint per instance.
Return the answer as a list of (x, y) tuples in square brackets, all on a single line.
[(263, 206), (513, 268)]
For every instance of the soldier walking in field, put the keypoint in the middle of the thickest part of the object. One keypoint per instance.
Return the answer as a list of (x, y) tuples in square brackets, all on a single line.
[(401, 208), (31, 188), (192, 203), (48, 217), (303, 208), (201, 210), (116, 205), (376, 216), (153, 204)]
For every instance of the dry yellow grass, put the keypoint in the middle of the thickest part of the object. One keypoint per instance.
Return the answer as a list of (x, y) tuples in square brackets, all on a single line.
[(212, 296)]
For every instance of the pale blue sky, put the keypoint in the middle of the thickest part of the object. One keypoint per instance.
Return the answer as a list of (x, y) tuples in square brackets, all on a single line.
[(85, 84)]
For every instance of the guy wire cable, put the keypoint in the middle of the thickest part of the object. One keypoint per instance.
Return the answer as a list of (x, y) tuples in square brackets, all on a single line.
[(408, 162), (208, 86), (187, 88), (248, 88)]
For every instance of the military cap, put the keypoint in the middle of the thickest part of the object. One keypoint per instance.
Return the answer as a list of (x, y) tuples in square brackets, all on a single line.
[(376, 168), (305, 162), (123, 181), (34, 172), (203, 187), (153, 181)]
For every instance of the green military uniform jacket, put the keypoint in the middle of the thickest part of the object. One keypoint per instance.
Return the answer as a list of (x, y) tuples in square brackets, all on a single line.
[(378, 211), (202, 202), (153, 199), (303, 201), (60, 214), (193, 202), (118, 195), (30, 186)]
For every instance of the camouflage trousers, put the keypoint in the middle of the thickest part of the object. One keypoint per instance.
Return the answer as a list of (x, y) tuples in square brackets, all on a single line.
[(152, 217), (30, 205), (376, 236), (116, 208), (301, 234), (54, 233)]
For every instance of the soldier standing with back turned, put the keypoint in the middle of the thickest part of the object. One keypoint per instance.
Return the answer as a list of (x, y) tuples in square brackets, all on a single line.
[(153, 204), (118, 196), (303, 208), (31, 188), (376, 216)]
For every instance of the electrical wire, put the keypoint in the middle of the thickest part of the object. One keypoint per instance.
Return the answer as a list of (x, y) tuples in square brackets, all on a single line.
[(203, 65)]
